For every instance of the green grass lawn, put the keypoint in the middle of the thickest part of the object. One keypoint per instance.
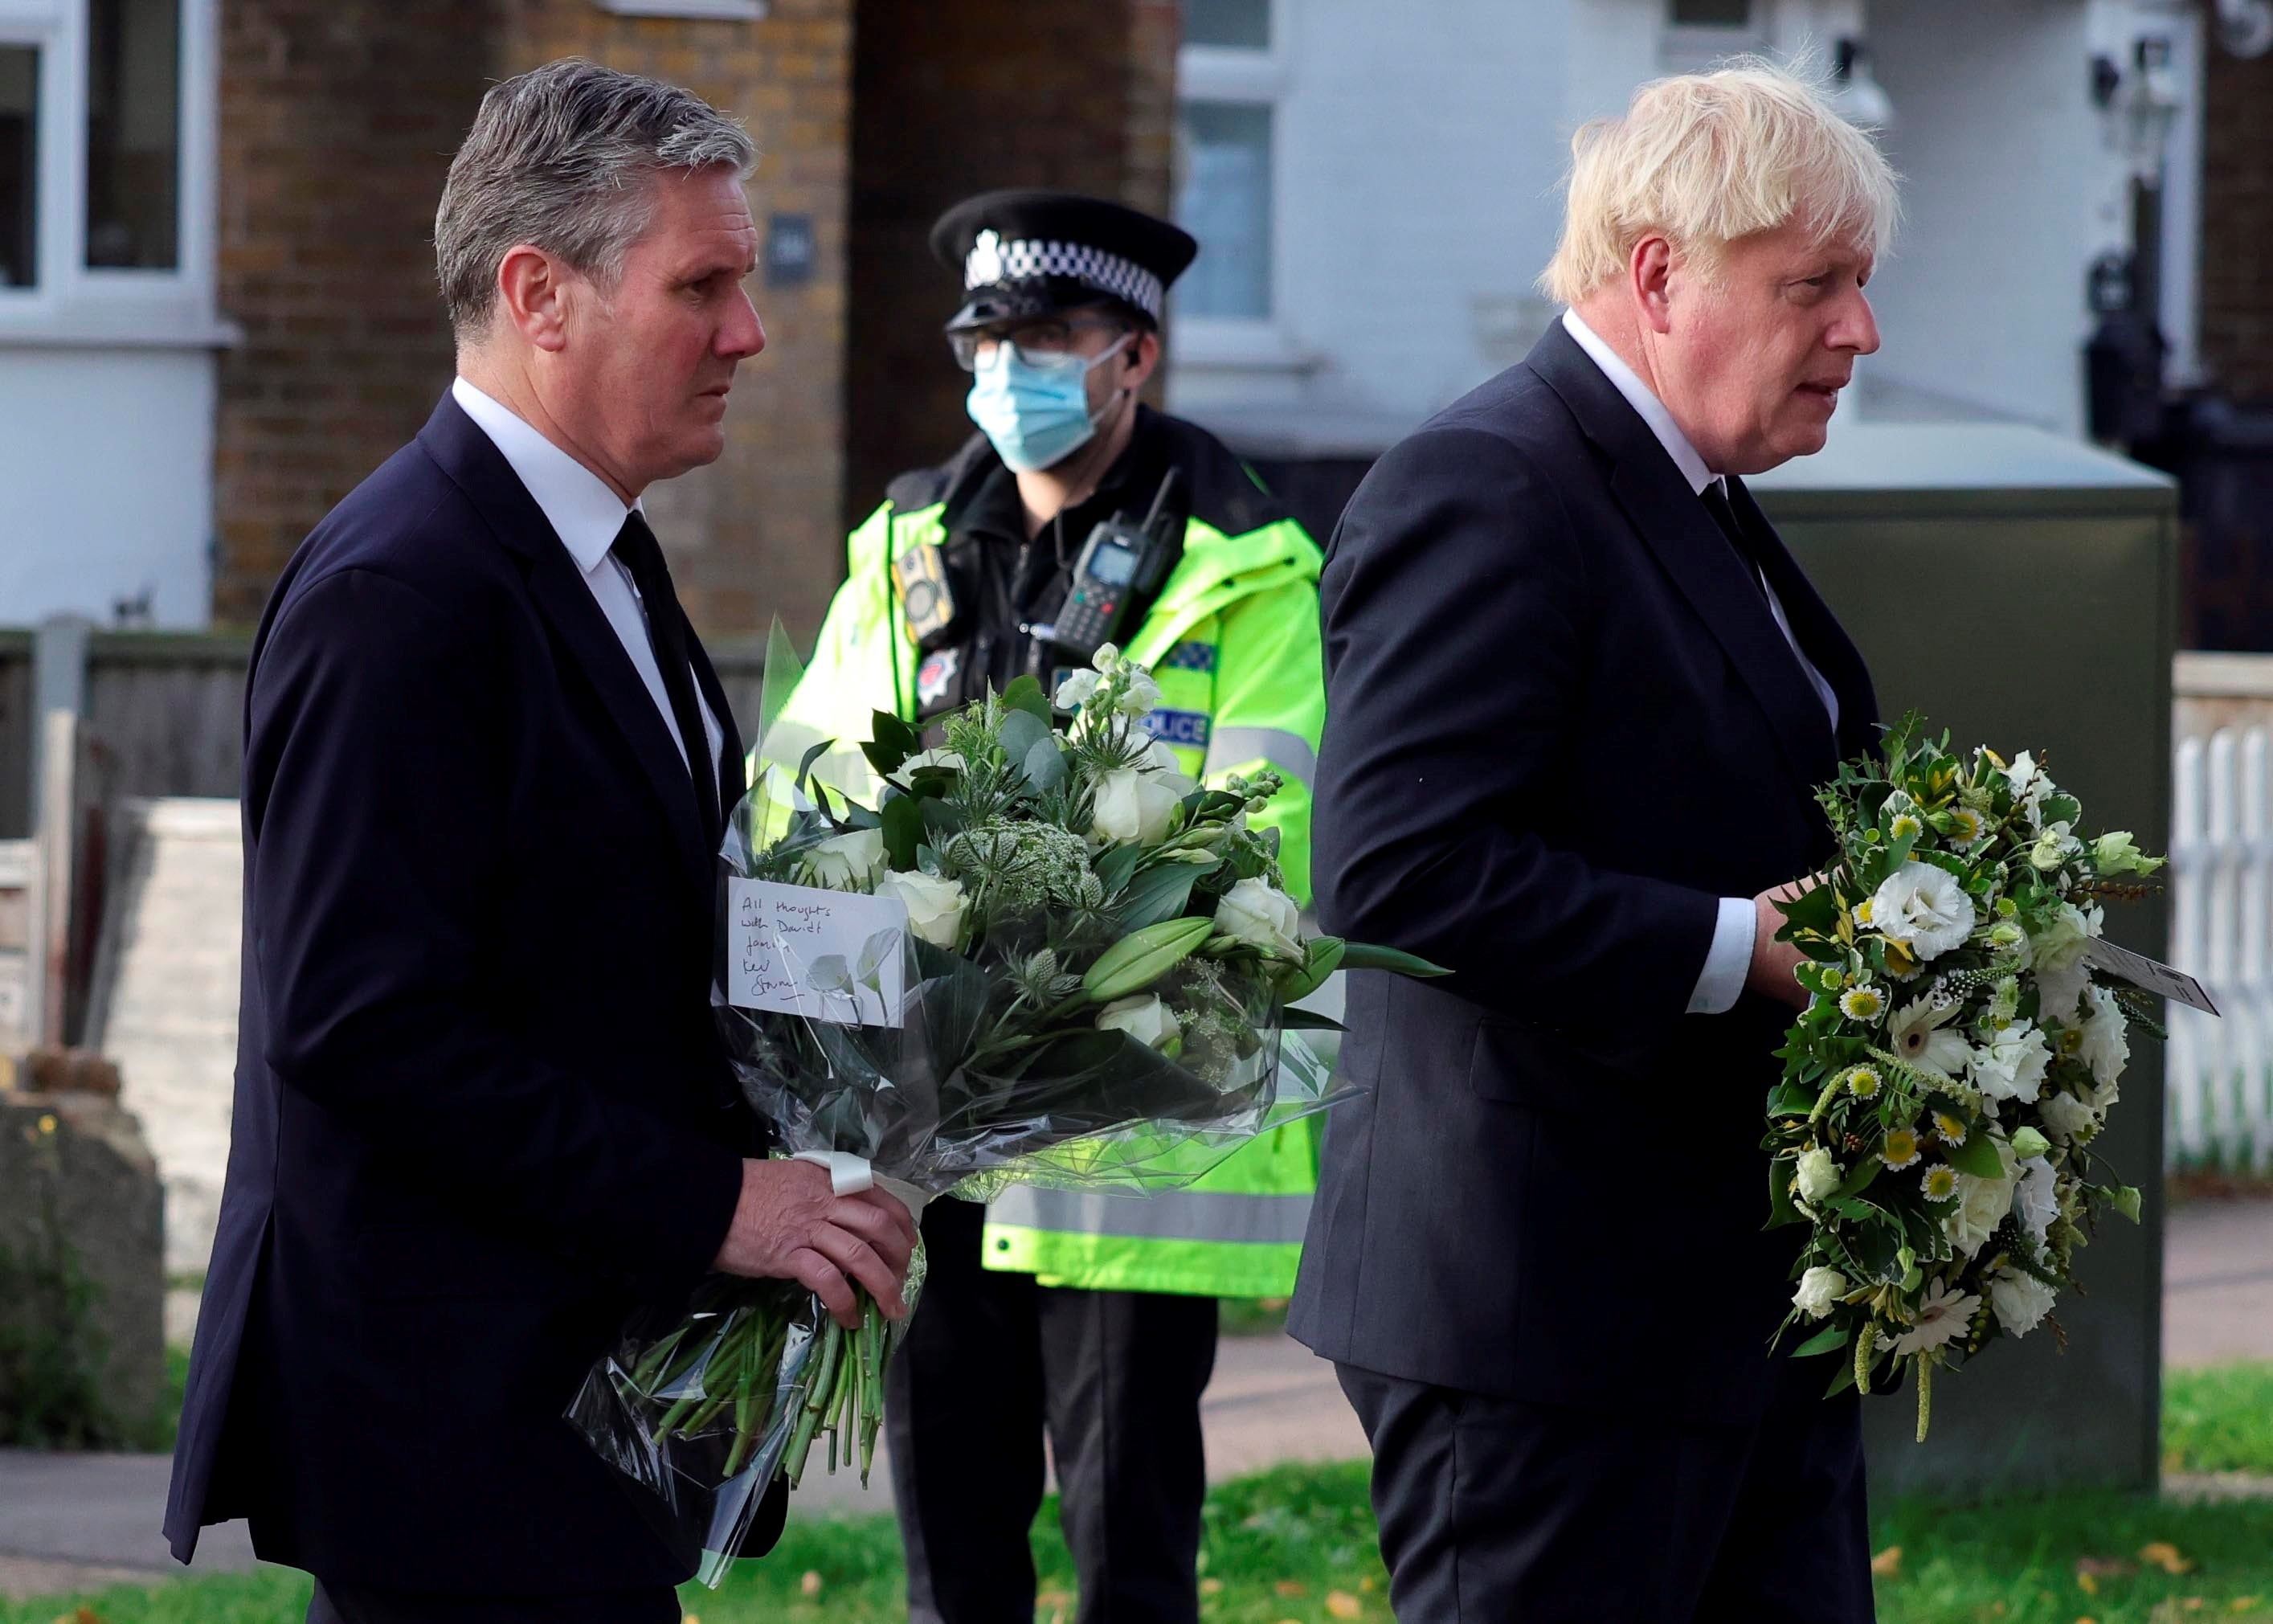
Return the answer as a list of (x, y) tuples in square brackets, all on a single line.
[(1297, 1544)]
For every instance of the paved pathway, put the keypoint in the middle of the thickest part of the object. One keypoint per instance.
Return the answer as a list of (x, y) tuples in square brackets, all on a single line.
[(73, 1522)]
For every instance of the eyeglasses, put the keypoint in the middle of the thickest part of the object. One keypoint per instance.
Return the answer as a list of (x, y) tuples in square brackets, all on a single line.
[(1036, 343)]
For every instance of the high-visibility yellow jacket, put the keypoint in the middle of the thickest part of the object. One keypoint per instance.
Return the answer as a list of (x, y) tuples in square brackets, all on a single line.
[(1232, 641)]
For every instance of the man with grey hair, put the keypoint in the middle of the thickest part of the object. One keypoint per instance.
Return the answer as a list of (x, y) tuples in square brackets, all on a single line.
[(482, 1111), (1579, 697)]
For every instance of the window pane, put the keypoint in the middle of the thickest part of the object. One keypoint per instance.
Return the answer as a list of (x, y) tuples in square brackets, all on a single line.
[(1225, 201), (133, 132), (1712, 13), (20, 164), (1244, 23)]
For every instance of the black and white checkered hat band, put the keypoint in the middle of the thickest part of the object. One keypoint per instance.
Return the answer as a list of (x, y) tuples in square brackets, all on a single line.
[(992, 261)]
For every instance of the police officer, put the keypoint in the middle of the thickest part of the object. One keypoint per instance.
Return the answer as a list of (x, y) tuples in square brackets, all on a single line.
[(1089, 1318)]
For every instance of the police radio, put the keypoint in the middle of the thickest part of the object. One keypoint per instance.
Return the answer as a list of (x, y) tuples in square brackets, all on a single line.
[(1121, 562)]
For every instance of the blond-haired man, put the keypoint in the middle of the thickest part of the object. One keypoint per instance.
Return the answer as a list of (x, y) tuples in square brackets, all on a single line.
[(1578, 695)]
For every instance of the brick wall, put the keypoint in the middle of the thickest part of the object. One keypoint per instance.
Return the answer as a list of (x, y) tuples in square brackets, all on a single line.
[(337, 118), (2237, 200), (950, 99)]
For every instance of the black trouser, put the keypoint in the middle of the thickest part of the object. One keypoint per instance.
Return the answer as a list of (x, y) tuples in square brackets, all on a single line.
[(1503, 1512), (993, 1361), (351, 1603)]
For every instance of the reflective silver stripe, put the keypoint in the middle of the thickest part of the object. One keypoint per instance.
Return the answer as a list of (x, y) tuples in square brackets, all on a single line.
[(1236, 747), (1171, 1215)]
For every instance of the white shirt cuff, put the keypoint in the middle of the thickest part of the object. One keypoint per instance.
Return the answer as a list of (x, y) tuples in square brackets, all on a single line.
[(1728, 960)]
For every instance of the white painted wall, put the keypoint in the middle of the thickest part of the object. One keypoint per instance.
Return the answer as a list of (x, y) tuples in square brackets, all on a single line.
[(106, 481), (1419, 150)]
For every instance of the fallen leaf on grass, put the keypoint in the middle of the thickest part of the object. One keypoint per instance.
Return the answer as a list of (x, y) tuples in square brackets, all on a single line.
[(1368, 1585), (2103, 1567), (1342, 1604), (2089, 1583), (2165, 1556), (811, 1584), (1061, 1598), (1889, 1563), (1291, 1587), (1210, 1587), (2241, 1604)]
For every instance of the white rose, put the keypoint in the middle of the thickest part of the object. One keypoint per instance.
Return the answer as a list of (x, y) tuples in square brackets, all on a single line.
[(1160, 761), (2031, 786), (846, 863), (1818, 1175), (2011, 1066), (2052, 848), (1981, 1204), (2020, 1301), (1923, 908), (1819, 1289), (936, 906), (1144, 1017), (1258, 913), (2106, 1042), (2067, 1116), (1134, 805), (2035, 1198)]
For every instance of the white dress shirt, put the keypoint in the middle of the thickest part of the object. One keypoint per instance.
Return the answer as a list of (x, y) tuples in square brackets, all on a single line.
[(586, 516), (1730, 956)]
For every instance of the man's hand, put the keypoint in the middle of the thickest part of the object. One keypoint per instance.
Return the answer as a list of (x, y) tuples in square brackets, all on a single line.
[(1774, 961), (790, 1225)]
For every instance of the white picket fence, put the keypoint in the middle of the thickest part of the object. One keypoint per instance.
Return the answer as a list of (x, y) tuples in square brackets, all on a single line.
[(2221, 1071)]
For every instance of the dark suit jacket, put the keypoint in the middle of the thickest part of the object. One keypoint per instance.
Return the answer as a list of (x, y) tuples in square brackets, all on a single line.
[(1560, 725), (481, 1109)]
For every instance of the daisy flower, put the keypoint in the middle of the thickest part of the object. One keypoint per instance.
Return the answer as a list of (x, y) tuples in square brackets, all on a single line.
[(1942, 1318), (1905, 827), (1901, 1149), (1940, 1182), (1863, 1003), (1949, 1129), (1966, 826), (1864, 1082)]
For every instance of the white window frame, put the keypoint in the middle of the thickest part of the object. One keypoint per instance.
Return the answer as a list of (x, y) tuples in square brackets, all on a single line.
[(72, 303), (1256, 78)]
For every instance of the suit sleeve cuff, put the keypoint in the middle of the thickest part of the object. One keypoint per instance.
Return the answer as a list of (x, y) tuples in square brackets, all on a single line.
[(1728, 960)]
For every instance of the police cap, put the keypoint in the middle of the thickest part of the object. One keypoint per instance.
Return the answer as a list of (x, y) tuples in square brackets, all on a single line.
[(1025, 253)]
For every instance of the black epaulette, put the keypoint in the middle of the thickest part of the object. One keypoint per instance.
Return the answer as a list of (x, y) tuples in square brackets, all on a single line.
[(927, 487), (1225, 492)]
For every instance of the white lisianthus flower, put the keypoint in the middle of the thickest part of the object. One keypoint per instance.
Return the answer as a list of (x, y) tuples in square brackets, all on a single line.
[(2062, 976), (1144, 1017), (1942, 1318), (1924, 909), (1981, 1204), (1819, 1291), (1816, 1174), (2035, 1198), (1916, 1034), (1142, 697), (1132, 804), (2031, 786), (2067, 1116), (1259, 913), (2106, 1041), (2052, 848), (846, 863), (936, 906), (2020, 1301), (2011, 1066), (2119, 853), (1077, 690)]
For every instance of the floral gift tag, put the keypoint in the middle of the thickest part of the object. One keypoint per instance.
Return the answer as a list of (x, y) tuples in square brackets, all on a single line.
[(2150, 975), (828, 955)]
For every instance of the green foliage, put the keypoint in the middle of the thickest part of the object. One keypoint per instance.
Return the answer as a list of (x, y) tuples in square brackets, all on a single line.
[(52, 1355), (2219, 1419)]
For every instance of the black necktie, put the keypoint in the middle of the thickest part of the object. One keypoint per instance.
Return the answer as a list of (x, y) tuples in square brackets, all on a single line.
[(667, 629), (1724, 514)]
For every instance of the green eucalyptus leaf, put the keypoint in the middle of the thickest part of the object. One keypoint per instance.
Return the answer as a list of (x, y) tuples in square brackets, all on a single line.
[(1823, 1341), (1025, 695)]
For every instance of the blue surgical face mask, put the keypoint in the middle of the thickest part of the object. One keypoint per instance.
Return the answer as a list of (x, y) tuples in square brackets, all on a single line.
[(1036, 415)]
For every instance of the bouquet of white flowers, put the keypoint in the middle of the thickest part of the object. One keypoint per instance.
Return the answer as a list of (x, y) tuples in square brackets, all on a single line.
[(1044, 955), (1961, 1047)]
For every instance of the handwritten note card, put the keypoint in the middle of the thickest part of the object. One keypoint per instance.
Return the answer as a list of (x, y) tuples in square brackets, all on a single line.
[(2154, 976), (827, 955)]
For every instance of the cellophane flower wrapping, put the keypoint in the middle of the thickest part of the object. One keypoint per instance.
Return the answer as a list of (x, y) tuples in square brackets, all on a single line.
[(1048, 957)]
